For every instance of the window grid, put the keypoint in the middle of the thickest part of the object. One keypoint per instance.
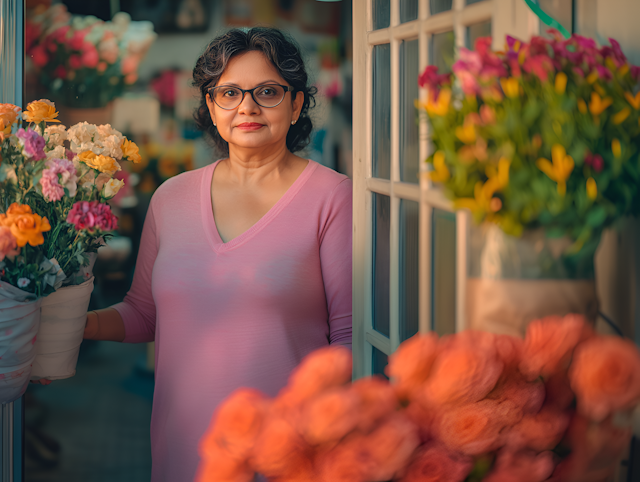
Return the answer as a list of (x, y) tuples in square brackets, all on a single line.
[(426, 195)]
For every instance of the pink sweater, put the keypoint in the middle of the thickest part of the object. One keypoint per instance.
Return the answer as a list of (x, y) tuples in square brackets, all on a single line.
[(236, 314)]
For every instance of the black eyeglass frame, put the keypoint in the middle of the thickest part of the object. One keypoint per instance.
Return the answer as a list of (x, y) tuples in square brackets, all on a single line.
[(287, 88)]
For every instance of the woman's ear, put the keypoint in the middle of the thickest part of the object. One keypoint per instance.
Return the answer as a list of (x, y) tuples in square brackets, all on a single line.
[(211, 106), (297, 105)]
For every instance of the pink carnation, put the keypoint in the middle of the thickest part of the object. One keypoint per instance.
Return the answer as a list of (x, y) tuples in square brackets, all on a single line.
[(32, 144), (51, 188), (91, 216), (60, 174)]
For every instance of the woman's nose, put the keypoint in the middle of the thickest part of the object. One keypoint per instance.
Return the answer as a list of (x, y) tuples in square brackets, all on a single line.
[(248, 106)]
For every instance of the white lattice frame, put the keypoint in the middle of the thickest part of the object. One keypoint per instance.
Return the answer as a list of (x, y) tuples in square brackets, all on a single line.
[(507, 16)]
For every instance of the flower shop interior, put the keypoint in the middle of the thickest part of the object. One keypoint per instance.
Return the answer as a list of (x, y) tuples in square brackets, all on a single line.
[(440, 244)]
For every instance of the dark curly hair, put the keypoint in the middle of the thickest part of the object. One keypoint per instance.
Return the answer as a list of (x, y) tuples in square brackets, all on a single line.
[(281, 51)]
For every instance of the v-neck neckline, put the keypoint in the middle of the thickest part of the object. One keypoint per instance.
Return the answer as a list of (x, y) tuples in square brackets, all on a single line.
[(208, 218)]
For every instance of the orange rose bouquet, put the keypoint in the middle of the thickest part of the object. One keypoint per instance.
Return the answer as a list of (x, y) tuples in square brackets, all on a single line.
[(463, 408), (65, 177)]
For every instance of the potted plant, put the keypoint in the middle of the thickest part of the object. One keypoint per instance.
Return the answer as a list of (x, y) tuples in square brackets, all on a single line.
[(541, 143)]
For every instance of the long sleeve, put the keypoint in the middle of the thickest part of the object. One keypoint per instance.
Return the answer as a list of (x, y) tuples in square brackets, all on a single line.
[(138, 310), (335, 259)]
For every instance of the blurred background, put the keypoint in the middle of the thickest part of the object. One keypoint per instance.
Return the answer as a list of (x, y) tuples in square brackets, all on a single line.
[(128, 63)]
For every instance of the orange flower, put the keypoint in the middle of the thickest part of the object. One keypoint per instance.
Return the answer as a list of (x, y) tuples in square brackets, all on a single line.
[(330, 416), (513, 466), (236, 424), (509, 350), (220, 467), (541, 431), (324, 368), (346, 462), (558, 391), (472, 429), (410, 365), (549, 343), (528, 397), (8, 245), (466, 369), (279, 450), (391, 446), (42, 110), (377, 399), (104, 164), (25, 226), (434, 463), (130, 151), (605, 376), (8, 116)]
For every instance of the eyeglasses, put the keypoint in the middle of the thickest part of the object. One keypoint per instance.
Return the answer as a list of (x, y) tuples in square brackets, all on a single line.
[(267, 95)]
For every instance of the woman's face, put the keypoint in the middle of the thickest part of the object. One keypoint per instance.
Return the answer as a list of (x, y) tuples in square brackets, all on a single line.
[(250, 125)]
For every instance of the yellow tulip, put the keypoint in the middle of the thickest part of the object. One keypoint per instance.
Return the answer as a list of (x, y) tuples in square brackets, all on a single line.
[(592, 188), (582, 106), (598, 105), (466, 133), (440, 171), (561, 83), (511, 87), (441, 106), (634, 101), (621, 116), (599, 90), (560, 169), (593, 76), (616, 148), (623, 69)]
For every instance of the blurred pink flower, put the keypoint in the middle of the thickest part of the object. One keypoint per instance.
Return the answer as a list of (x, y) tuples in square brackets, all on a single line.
[(75, 62), (89, 55), (51, 190), (39, 56), (76, 40), (32, 144), (8, 244), (91, 216)]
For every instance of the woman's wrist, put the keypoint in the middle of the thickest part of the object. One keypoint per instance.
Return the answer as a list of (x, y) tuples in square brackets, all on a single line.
[(92, 328)]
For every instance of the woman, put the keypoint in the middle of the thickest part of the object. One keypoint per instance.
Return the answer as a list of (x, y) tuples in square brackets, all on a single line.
[(244, 265)]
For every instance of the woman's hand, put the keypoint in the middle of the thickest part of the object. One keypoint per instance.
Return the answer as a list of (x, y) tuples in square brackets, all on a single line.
[(92, 328)]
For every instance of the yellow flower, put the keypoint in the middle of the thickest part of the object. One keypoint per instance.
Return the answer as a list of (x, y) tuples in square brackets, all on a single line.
[(482, 200), (561, 83), (511, 87), (441, 172), (616, 148), (623, 69), (105, 164), (130, 151), (42, 110), (466, 133), (599, 90), (560, 169), (598, 105), (634, 101), (593, 76), (8, 117), (620, 117), (582, 106), (592, 188), (499, 178), (441, 106)]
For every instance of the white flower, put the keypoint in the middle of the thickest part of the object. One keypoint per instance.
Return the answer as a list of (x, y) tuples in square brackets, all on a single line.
[(111, 188), (81, 134), (56, 134), (106, 130), (58, 152), (23, 282), (112, 147), (11, 176)]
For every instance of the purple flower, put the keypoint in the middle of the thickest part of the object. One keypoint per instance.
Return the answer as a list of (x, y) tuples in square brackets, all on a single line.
[(635, 72), (432, 80), (603, 72), (32, 144), (584, 42)]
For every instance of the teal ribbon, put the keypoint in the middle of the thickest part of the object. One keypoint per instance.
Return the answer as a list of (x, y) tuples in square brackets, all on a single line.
[(547, 19)]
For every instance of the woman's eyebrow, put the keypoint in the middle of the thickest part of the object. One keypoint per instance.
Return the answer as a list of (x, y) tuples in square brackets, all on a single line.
[(233, 84)]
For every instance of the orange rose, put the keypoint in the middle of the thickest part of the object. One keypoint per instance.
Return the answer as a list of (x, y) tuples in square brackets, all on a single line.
[(466, 369), (220, 467), (130, 151), (549, 344), (605, 376), (410, 365), (473, 429), (236, 424), (42, 110), (521, 467), (346, 462), (8, 245), (541, 431), (330, 416), (8, 116), (279, 450), (509, 350), (16, 208), (325, 368), (25, 226), (434, 463), (423, 417), (513, 387), (377, 399)]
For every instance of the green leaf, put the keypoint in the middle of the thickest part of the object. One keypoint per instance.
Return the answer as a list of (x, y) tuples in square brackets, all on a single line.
[(596, 216)]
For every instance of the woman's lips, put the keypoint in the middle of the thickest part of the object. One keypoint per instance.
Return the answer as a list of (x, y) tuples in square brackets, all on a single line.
[(250, 126)]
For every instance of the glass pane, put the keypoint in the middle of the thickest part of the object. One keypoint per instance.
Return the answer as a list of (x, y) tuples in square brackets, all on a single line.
[(443, 281), (441, 51), (561, 10), (586, 17), (380, 361), (408, 113), (381, 229), (476, 31), (381, 13), (408, 10), (381, 134), (409, 253), (438, 6)]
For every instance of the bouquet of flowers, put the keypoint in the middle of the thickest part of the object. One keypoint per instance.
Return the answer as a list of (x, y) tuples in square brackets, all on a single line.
[(60, 180), (84, 61), (467, 407), (543, 135)]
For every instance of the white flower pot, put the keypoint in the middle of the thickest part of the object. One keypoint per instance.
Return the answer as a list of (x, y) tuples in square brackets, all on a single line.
[(63, 318)]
